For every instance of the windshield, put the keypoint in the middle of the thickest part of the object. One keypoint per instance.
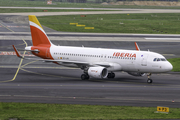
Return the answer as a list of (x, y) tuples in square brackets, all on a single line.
[(159, 59)]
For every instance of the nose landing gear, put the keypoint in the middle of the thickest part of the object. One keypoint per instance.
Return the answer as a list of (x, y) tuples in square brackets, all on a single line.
[(149, 78)]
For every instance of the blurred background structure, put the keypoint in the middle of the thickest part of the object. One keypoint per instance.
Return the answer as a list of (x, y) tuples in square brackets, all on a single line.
[(123, 2)]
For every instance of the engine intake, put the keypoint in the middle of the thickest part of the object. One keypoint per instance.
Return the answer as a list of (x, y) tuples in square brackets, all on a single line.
[(98, 72)]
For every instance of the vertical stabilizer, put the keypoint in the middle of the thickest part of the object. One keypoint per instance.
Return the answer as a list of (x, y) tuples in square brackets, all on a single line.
[(39, 37)]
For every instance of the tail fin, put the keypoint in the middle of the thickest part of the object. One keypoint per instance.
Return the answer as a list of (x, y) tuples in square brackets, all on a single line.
[(39, 36)]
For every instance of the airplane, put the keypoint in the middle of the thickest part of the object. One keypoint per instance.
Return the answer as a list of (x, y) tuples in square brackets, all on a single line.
[(95, 62)]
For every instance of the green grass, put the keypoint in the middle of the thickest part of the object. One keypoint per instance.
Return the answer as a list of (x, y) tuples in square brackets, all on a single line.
[(9, 10), (28, 3), (168, 23), (176, 64), (63, 111)]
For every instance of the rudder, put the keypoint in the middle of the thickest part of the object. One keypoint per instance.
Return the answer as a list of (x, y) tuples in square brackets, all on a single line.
[(39, 37)]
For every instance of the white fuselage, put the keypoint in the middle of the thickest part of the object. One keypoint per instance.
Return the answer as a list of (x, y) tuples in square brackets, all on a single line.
[(120, 60)]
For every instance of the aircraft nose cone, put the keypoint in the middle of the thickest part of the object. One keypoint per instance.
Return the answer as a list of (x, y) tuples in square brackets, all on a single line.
[(169, 66)]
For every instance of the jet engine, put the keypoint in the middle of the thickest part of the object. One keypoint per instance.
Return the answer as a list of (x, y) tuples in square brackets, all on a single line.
[(98, 72), (136, 73)]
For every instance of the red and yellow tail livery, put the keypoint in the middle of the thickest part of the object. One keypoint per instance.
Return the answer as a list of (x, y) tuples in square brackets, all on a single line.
[(39, 37), (41, 43)]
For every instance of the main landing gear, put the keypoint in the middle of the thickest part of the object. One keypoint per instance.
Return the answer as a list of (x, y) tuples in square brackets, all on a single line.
[(84, 76), (111, 75), (149, 78)]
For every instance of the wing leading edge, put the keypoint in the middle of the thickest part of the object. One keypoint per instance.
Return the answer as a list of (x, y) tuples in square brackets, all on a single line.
[(104, 64)]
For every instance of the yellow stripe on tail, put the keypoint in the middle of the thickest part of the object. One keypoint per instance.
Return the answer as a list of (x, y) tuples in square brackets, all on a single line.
[(33, 18), (39, 37)]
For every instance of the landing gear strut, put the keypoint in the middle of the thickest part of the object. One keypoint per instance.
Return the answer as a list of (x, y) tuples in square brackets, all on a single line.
[(111, 75), (85, 76), (149, 78)]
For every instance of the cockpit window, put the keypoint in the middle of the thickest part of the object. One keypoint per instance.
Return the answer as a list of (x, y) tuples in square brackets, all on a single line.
[(162, 59), (159, 59)]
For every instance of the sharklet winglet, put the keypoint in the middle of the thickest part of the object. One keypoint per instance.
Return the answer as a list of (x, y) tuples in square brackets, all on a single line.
[(137, 47)]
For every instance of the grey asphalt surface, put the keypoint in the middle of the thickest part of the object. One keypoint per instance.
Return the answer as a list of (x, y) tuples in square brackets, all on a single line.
[(48, 83)]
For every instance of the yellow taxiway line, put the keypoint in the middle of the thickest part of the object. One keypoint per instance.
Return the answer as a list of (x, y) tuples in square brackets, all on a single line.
[(20, 61)]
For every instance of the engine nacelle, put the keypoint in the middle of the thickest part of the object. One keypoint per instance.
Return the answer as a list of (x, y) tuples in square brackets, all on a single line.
[(136, 73), (98, 72)]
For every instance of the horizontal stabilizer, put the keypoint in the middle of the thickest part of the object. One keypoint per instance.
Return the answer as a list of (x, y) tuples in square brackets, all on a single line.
[(28, 50), (17, 53)]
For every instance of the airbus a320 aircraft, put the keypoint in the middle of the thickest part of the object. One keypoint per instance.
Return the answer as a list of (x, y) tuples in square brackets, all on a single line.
[(95, 62)]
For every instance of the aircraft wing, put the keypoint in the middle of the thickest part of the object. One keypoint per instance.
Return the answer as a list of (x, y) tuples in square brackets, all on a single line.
[(103, 64), (79, 63)]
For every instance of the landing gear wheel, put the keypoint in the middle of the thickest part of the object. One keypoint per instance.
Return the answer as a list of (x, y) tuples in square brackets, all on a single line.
[(149, 78), (84, 77), (111, 75), (87, 77), (149, 81)]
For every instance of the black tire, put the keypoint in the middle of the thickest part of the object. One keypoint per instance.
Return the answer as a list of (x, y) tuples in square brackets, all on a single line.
[(87, 77), (111, 75), (83, 77), (149, 81)]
